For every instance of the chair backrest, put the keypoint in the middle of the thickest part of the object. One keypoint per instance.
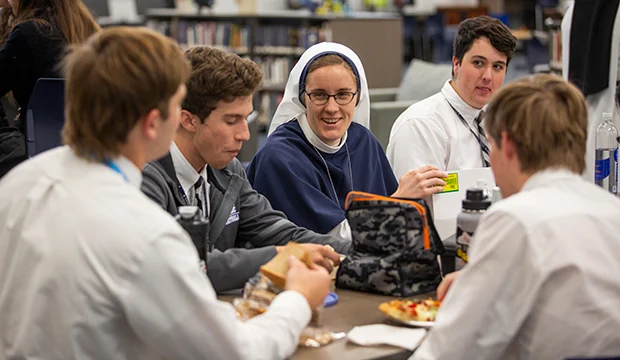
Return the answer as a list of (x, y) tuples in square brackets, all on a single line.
[(423, 79), (45, 116)]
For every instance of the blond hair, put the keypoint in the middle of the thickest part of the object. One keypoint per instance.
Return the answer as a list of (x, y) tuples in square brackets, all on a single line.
[(547, 119), (112, 81)]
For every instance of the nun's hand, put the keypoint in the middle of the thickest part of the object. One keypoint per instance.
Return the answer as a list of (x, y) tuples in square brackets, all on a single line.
[(422, 182)]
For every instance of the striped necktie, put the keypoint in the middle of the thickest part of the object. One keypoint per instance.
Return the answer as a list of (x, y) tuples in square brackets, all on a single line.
[(198, 189), (482, 139)]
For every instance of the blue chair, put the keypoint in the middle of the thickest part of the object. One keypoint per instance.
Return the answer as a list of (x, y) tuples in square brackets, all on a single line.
[(45, 116)]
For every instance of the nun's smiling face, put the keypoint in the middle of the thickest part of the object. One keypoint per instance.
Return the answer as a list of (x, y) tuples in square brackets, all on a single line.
[(330, 97)]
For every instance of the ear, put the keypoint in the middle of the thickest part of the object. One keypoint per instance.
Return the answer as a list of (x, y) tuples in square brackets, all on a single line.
[(508, 147), (150, 124), (188, 121), (455, 67)]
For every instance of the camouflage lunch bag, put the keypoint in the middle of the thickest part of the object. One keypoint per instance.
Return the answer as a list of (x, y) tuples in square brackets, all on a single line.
[(395, 246)]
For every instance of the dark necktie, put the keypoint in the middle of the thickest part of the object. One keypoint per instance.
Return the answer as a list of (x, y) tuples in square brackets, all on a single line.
[(482, 139), (199, 191)]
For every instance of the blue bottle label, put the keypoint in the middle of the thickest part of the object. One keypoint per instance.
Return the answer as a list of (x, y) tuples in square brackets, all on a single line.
[(602, 168)]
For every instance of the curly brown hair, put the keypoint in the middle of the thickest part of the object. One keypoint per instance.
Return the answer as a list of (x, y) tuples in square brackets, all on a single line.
[(218, 76)]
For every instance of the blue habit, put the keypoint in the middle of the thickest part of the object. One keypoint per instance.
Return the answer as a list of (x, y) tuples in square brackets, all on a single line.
[(288, 171)]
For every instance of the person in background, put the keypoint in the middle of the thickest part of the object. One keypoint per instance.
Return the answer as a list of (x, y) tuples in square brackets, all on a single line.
[(201, 169), (90, 268), (445, 130), (40, 32), (320, 148), (542, 279)]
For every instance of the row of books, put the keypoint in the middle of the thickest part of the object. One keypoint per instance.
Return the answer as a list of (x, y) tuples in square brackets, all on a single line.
[(220, 34), (289, 37), (275, 71), (267, 39), (269, 102)]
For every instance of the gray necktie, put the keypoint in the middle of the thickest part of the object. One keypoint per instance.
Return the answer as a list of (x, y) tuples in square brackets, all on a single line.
[(482, 139)]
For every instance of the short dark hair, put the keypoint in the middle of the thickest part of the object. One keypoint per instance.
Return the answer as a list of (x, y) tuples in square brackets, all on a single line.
[(472, 29), (218, 76)]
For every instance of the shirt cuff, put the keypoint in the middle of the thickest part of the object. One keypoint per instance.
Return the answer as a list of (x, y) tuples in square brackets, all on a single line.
[(294, 305)]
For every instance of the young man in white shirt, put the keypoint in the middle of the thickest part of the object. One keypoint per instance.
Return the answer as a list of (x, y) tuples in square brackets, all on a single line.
[(90, 268), (443, 130), (542, 281), (245, 232)]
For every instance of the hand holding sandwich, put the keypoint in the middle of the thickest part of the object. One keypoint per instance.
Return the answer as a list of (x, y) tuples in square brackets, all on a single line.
[(311, 282), (295, 268), (322, 255)]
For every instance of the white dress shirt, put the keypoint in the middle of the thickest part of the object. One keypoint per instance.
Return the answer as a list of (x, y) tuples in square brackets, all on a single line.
[(188, 176), (90, 268), (543, 280), (429, 132)]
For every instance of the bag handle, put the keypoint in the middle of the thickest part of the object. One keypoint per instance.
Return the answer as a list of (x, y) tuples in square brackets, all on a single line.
[(364, 196)]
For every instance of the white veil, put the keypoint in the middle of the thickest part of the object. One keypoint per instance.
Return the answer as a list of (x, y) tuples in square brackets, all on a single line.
[(291, 107)]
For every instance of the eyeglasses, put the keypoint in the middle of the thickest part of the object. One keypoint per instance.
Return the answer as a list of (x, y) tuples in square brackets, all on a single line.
[(321, 98)]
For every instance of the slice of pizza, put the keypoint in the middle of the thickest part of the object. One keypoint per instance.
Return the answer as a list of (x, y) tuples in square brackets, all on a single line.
[(411, 309)]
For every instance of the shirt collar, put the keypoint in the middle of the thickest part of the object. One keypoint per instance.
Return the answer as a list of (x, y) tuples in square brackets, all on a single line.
[(315, 141), (468, 112), (130, 171), (185, 172), (546, 177)]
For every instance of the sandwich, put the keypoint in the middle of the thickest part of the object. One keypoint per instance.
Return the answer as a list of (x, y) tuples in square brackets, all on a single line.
[(277, 267)]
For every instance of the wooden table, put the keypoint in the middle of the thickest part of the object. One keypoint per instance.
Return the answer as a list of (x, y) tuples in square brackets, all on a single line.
[(353, 309)]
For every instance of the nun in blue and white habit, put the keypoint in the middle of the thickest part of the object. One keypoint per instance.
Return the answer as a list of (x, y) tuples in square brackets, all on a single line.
[(319, 148)]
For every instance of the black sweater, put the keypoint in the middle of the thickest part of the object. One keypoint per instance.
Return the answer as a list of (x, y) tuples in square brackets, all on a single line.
[(32, 51)]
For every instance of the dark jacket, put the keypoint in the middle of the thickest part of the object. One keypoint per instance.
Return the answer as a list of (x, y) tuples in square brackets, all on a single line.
[(238, 248), (32, 51)]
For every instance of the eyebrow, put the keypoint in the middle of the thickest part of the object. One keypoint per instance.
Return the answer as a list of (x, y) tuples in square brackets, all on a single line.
[(480, 57), (237, 115), (339, 90)]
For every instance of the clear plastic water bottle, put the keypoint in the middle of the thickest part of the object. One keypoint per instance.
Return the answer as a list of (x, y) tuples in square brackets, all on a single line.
[(474, 205), (197, 226), (606, 155)]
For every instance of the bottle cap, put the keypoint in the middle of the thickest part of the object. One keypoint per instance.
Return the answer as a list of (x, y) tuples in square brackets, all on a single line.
[(475, 199), (187, 212), (607, 116)]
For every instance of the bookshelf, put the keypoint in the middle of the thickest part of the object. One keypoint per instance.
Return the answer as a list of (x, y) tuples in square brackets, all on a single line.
[(275, 40)]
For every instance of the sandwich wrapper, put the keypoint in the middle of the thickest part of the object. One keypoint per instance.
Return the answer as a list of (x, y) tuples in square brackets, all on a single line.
[(381, 334)]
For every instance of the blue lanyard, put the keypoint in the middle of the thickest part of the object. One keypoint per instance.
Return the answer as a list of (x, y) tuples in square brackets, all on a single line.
[(112, 165), (186, 199)]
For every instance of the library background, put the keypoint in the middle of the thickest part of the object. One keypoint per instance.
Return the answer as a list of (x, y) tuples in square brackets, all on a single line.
[(397, 40)]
